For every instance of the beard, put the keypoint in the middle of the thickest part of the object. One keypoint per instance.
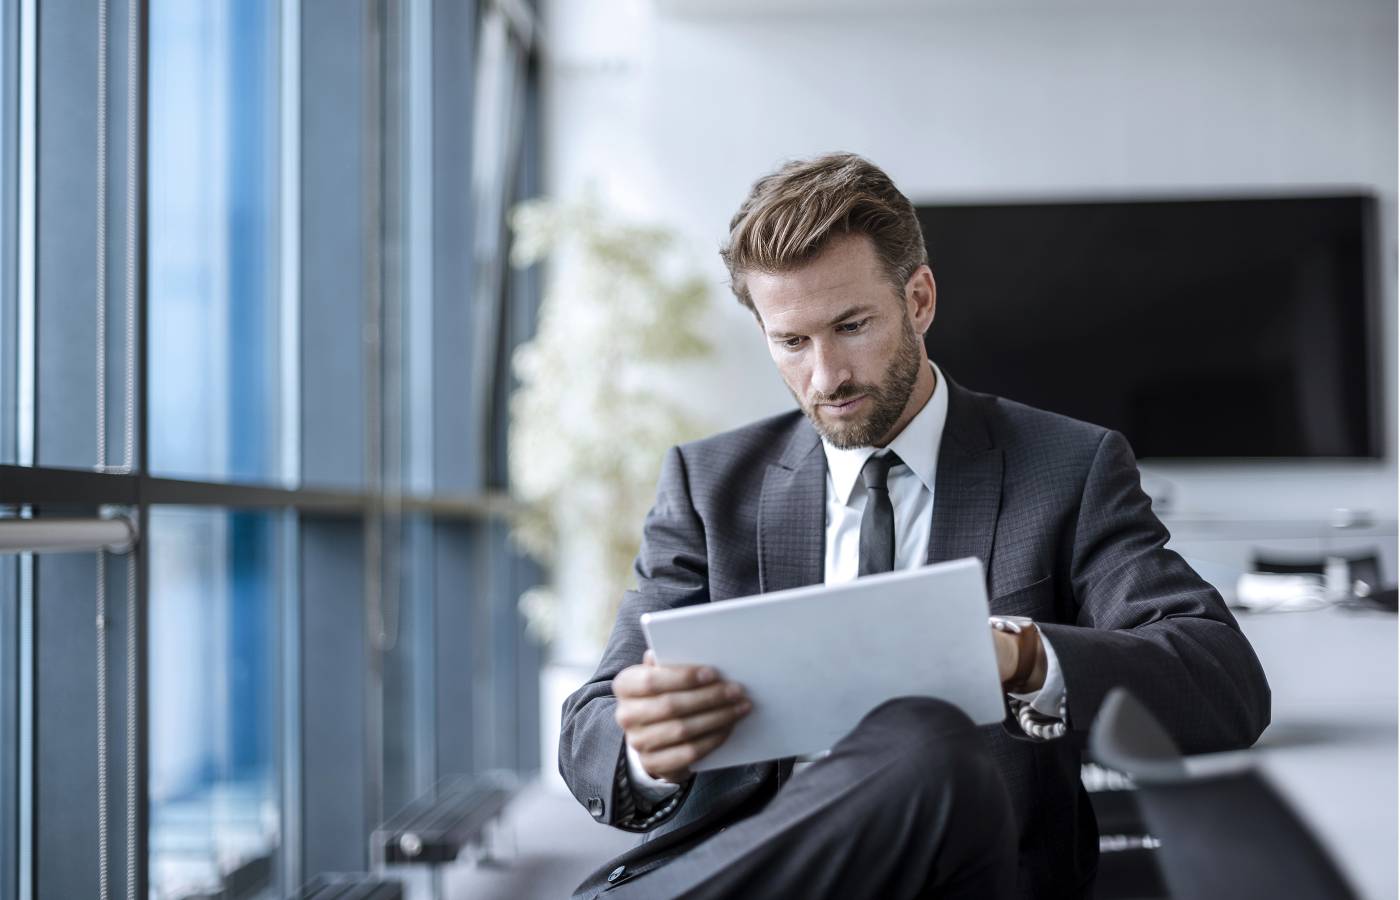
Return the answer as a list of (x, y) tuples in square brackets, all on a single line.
[(888, 399)]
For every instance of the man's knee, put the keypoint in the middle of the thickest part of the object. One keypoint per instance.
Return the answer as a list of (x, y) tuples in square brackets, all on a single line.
[(926, 746), (917, 719)]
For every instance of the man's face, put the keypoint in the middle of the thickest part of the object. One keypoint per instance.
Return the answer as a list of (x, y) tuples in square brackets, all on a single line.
[(847, 343)]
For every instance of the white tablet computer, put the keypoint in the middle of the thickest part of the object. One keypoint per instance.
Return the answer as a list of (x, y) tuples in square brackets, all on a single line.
[(815, 660)]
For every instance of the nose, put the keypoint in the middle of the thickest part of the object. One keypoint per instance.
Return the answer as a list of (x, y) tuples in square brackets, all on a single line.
[(829, 369)]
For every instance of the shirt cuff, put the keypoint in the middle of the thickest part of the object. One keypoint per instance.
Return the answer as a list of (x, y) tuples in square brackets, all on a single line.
[(1049, 700), (653, 789)]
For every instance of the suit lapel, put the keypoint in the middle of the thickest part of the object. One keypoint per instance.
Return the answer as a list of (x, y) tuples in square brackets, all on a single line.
[(966, 502), (792, 516), (967, 486)]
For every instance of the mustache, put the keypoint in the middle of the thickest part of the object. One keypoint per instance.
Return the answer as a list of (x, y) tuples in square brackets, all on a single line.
[(842, 394)]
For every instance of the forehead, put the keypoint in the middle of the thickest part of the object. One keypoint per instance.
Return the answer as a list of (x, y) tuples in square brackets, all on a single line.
[(846, 273)]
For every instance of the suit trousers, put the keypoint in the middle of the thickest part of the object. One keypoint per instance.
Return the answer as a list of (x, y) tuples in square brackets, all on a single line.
[(907, 805)]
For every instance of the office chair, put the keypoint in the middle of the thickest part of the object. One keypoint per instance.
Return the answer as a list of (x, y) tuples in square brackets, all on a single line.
[(1127, 852), (1222, 836)]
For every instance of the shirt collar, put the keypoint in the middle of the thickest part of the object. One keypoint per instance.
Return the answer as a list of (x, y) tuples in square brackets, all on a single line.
[(917, 445)]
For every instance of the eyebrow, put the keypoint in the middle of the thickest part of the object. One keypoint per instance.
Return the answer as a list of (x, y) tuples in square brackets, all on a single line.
[(845, 314)]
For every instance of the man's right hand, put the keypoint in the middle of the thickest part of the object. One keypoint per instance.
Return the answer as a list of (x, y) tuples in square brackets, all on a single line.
[(674, 715)]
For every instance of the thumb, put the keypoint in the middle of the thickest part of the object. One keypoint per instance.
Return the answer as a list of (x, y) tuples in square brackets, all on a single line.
[(649, 658)]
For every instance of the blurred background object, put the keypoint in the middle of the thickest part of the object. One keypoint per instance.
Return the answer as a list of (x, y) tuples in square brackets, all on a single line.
[(601, 398), (603, 394)]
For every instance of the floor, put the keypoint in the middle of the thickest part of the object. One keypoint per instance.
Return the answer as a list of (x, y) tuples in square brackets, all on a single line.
[(543, 847), (1331, 751)]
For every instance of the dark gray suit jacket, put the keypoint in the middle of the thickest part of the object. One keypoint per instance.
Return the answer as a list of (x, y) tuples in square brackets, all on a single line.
[(1053, 508)]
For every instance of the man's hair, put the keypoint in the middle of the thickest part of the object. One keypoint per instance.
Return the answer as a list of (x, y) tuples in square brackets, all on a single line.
[(792, 214)]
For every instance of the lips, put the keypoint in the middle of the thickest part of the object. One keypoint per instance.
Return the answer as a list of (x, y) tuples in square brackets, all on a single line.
[(847, 406)]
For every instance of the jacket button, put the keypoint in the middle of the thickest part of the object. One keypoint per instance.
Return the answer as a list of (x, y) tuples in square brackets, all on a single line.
[(615, 874), (595, 807)]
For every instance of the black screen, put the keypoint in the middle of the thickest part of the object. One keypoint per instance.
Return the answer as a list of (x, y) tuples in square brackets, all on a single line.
[(1198, 328)]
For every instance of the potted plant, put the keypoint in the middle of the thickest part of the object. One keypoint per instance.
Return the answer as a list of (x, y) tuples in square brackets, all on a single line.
[(600, 398)]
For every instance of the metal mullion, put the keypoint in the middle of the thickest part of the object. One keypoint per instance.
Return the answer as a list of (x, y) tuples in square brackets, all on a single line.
[(37, 485), (26, 852), (9, 319), (289, 633), (141, 238), (26, 229), (140, 643), (476, 507), (9, 726), (374, 237), (289, 681), (13, 805), (177, 492), (142, 748)]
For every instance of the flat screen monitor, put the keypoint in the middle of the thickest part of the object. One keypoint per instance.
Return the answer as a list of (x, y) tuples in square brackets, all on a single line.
[(1211, 328)]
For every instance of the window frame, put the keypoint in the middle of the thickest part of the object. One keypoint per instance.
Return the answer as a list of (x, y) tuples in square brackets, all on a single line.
[(459, 519)]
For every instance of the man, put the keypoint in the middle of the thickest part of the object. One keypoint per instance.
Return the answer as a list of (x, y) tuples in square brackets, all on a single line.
[(890, 464)]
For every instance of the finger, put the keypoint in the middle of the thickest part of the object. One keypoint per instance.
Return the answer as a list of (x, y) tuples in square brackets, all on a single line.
[(646, 681), (674, 763), (634, 711), (649, 658), (660, 735)]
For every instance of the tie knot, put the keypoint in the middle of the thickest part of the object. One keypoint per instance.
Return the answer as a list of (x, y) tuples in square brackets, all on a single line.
[(877, 470)]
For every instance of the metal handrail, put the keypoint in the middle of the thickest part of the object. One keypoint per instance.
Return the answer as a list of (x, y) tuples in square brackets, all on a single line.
[(116, 535)]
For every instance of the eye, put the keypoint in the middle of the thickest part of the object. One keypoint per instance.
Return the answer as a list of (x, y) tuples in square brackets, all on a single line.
[(792, 343), (852, 327)]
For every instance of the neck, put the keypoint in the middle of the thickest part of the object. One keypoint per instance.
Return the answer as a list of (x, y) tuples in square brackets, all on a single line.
[(918, 397)]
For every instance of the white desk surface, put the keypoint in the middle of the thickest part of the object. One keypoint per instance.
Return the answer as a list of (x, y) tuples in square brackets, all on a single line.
[(1331, 745)]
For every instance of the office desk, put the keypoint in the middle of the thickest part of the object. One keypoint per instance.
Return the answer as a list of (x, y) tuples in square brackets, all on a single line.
[(1331, 746)]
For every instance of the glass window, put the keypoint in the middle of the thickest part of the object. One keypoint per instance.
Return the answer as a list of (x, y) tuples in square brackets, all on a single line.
[(215, 602), (213, 316), (79, 337), (404, 633), (315, 665)]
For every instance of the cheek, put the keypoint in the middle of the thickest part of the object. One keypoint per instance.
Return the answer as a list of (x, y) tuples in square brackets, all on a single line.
[(880, 349), (792, 368)]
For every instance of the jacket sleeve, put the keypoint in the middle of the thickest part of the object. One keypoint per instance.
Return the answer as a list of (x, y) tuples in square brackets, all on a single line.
[(1148, 622), (672, 571)]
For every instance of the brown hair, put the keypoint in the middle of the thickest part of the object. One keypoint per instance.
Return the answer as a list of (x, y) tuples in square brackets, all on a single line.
[(790, 215)]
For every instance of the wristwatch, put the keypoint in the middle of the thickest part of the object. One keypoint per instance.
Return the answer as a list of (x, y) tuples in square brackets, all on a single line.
[(1028, 649), (1035, 724)]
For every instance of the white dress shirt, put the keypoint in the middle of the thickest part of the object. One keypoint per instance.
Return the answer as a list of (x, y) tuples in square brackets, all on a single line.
[(911, 488)]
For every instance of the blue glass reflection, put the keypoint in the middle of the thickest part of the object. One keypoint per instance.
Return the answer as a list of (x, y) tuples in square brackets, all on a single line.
[(214, 794), (212, 206)]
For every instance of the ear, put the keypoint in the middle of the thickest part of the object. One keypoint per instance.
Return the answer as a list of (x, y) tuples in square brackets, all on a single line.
[(921, 298)]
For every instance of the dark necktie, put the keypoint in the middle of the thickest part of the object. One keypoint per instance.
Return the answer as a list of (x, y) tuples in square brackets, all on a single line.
[(877, 522)]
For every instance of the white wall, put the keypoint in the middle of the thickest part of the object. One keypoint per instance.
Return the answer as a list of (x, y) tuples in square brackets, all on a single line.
[(673, 108)]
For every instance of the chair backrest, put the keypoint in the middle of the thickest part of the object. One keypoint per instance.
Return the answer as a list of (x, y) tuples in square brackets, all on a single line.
[(1127, 738), (1232, 836), (1222, 836)]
